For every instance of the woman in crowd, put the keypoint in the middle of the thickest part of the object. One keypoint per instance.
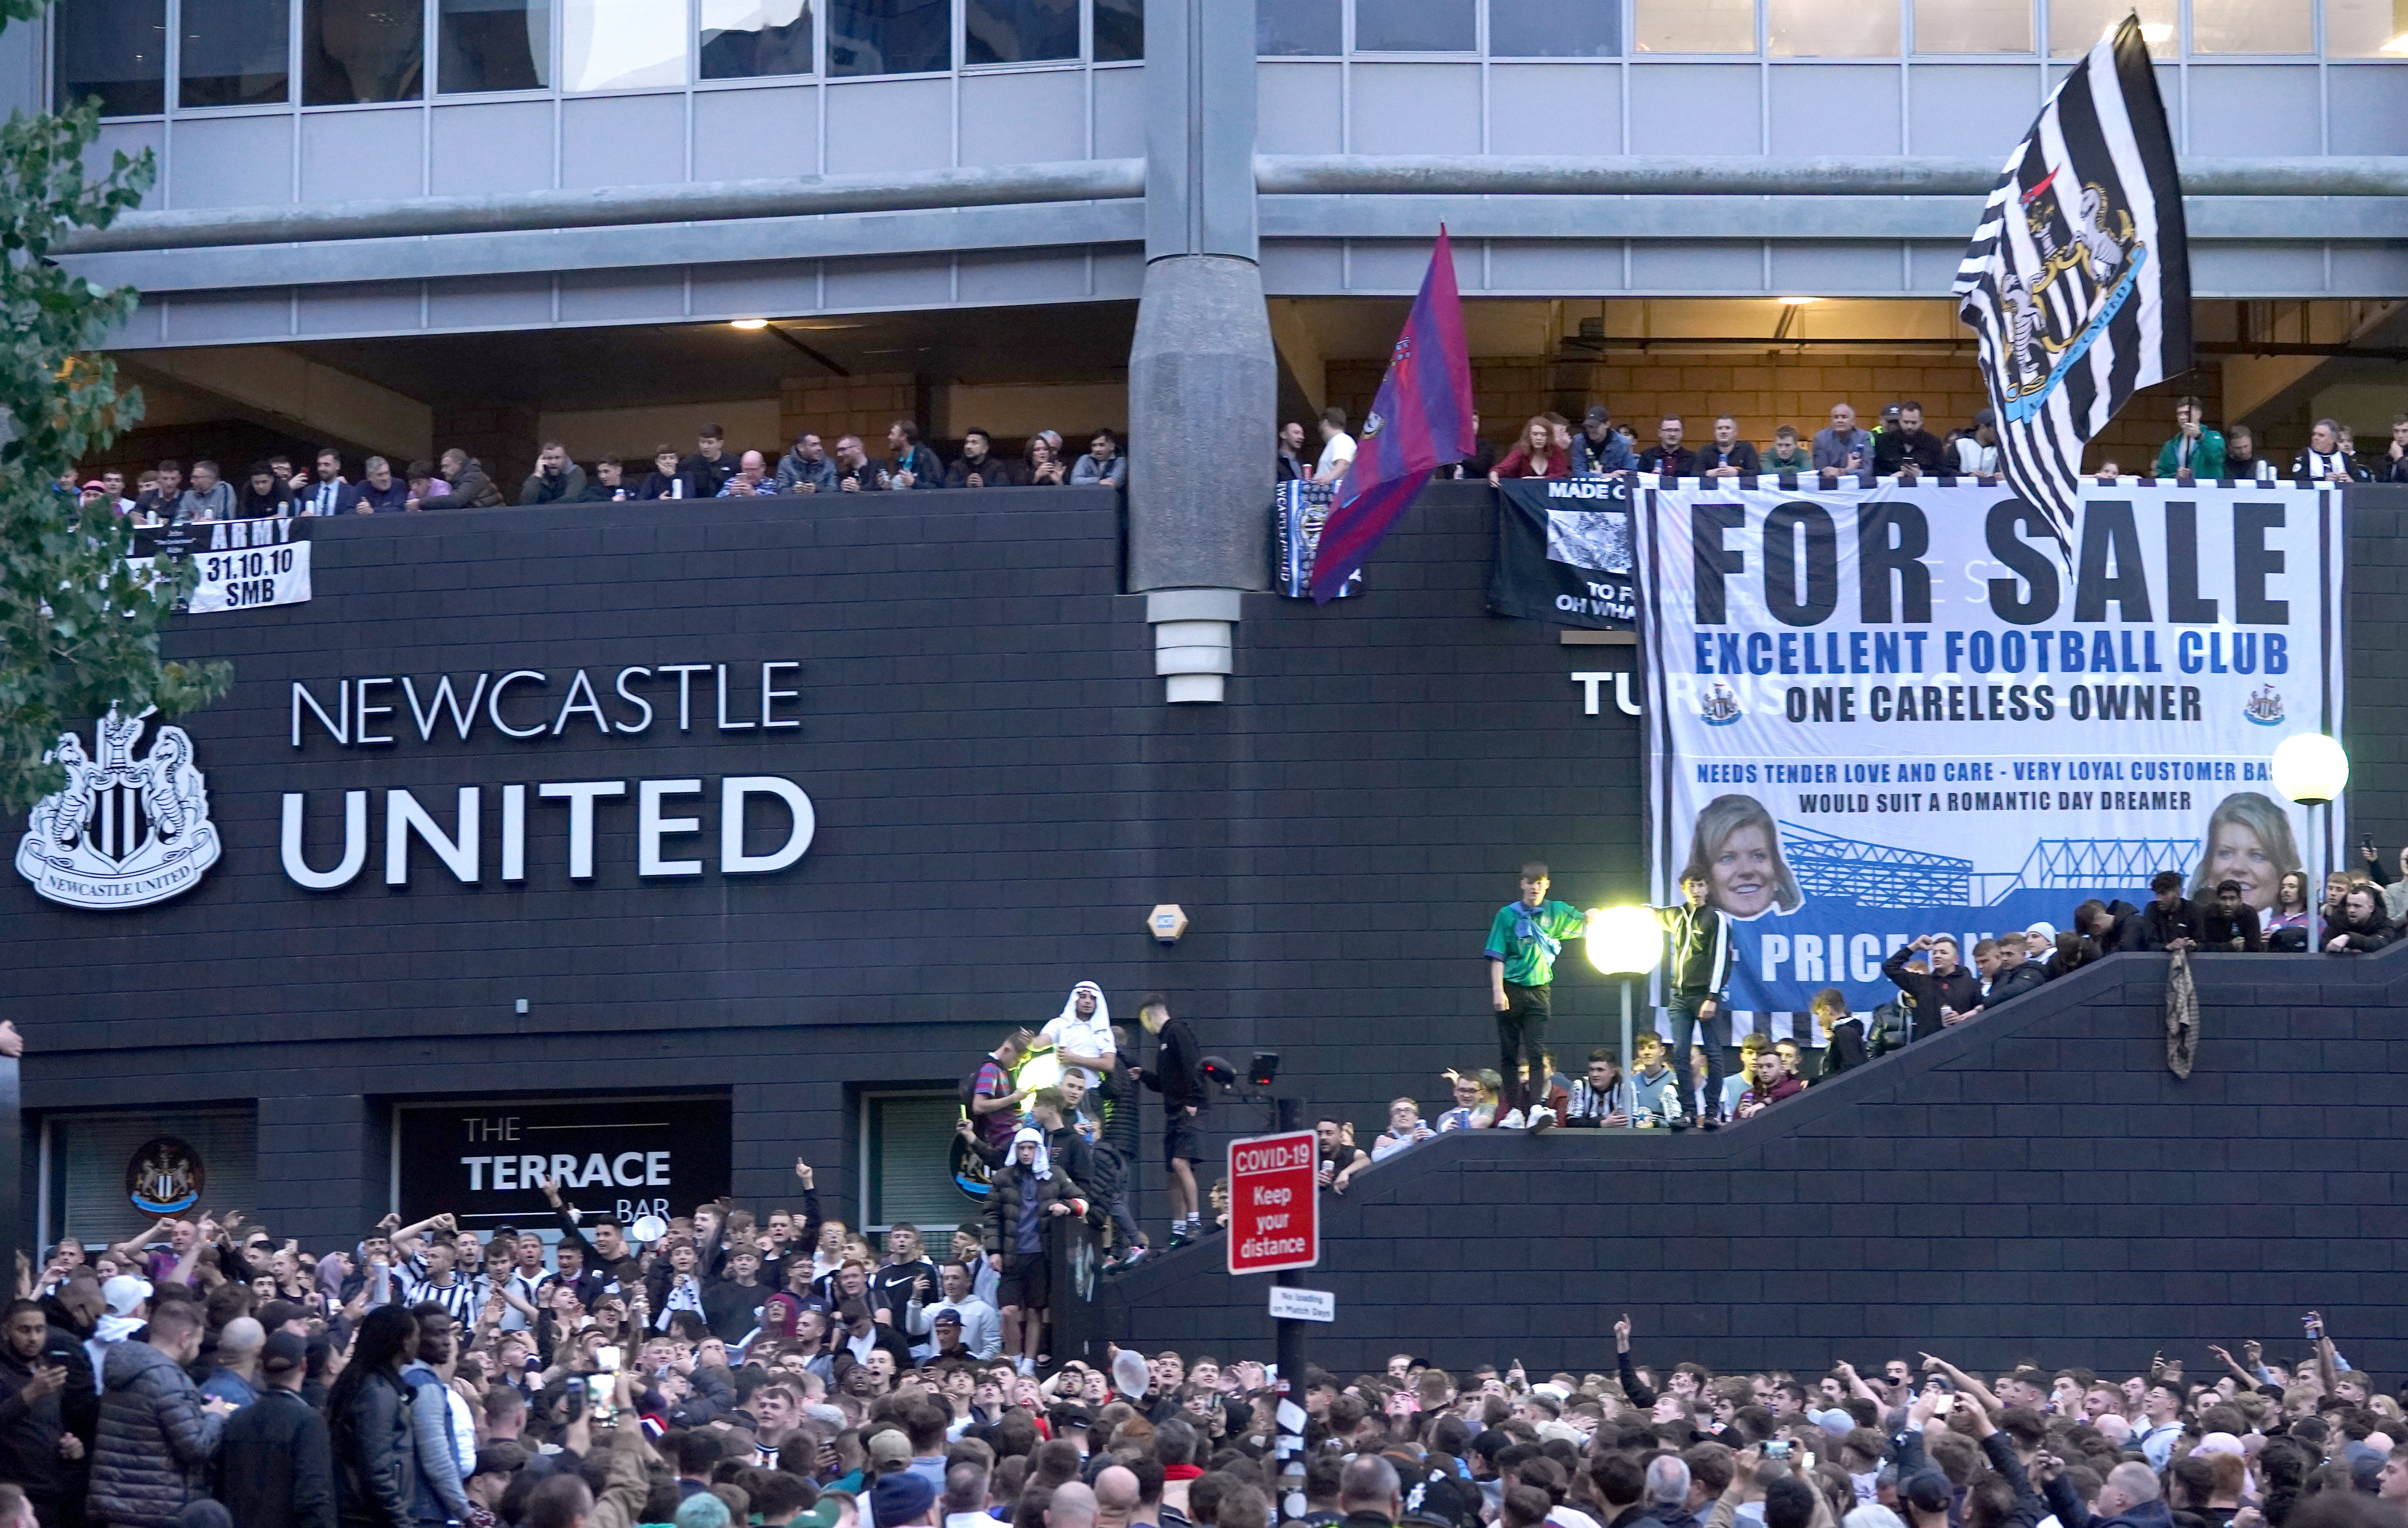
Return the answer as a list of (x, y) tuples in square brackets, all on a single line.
[(367, 1422), (1535, 456)]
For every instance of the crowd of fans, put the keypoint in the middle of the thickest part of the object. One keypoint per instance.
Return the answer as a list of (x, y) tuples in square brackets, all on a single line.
[(215, 1378), (1548, 446), (457, 481), (1898, 446)]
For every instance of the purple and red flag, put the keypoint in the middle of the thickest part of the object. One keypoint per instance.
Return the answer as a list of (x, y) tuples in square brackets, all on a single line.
[(1421, 421)]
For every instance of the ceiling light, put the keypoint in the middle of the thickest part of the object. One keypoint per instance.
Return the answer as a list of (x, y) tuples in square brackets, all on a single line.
[(748, 324), (2396, 45), (1799, 302)]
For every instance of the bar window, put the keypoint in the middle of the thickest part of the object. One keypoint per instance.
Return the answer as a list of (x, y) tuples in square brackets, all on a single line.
[(1120, 30), (1299, 29), (2075, 26), (115, 51), (493, 45), (1973, 26), (1415, 26), (752, 39), (2252, 27), (889, 36), (907, 1163), (1019, 31), (2366, 28), (1555, 28), (1832, 29), (1697, 26), (610, 45), (355, 51), (234, 53)]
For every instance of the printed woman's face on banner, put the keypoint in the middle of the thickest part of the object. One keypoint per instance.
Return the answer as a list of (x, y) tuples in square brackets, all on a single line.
[(1743, 871), (2235, 853)]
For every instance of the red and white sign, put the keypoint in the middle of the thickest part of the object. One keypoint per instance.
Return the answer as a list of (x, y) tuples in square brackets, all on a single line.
[(1274, 1208)]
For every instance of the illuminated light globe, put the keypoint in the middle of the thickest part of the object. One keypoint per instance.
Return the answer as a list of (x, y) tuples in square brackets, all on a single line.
[(2311, 768), (1625, 941), (1042, 1070)]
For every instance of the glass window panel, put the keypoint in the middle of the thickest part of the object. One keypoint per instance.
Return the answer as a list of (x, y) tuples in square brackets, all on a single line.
[(2252, 27), (115, 50), (750, 39), (2075, 26), (1120, 30), (1973, 26), (357, 50), (1697, 26), (1555, 28), (1292, 28), (610, 45), (1019, 31), (889, 36), (1833, 28), (1415, 26), (493, 45), (234, 53), (2366, 28)]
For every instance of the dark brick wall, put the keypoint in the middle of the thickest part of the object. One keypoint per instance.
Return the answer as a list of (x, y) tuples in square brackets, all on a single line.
[(1002, 795), (2035, 1184)]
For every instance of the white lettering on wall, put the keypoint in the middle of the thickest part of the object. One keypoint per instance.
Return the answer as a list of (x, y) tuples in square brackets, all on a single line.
[(352, 719)]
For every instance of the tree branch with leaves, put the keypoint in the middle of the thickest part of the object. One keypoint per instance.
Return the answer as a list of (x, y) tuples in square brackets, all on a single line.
[(79, 623)]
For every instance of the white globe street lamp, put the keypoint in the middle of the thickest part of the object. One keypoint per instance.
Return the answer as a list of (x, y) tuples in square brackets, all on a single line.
[(1625, 942), (2313, 770)]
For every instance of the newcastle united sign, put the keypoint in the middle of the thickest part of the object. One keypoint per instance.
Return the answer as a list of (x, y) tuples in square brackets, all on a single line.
[(131, 831)]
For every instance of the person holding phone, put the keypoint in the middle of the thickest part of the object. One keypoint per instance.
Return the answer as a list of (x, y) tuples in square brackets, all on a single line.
[(45, 1386)]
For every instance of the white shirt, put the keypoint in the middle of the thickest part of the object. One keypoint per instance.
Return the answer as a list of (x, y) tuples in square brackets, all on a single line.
[(1975, 460), (1088, 1037), (1337, 452), (981, 1327)]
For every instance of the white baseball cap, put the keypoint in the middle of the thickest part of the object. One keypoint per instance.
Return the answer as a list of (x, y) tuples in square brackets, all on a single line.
[(124, 1293)]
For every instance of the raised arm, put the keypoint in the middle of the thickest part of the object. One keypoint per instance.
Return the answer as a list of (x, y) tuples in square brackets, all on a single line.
[(1857, 1386), (406, 1240), (1639, 1392), (2248, 1380), (2328, 1371), (1964, 1382), (129, 1252)]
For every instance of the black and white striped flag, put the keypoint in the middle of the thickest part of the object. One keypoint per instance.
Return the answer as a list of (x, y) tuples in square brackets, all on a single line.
[(2078, 279)]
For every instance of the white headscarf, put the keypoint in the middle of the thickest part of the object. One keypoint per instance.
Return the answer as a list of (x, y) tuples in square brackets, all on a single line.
[(1095, 1030), (1043, 1166)]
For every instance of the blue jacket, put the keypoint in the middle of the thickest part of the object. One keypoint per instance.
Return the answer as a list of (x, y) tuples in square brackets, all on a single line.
[(1612, 455)]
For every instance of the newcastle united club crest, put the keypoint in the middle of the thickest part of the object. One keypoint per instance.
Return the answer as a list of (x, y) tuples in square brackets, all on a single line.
[(2089, 260), (123, 832), (164, 1177)]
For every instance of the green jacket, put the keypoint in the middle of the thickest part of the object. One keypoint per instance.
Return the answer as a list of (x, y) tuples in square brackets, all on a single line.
[(2207, 461)]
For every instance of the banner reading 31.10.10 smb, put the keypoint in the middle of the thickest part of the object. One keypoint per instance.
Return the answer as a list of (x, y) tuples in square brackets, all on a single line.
[(1884, 712)]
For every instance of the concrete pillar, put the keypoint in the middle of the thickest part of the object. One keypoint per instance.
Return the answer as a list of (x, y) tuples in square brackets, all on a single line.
[(1203, 376)]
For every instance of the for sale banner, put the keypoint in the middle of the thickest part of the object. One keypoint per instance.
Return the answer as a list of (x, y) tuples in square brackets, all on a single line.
[(1882, 712)]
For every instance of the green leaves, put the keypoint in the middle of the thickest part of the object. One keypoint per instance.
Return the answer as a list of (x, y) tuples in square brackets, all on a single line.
[(79, 627)]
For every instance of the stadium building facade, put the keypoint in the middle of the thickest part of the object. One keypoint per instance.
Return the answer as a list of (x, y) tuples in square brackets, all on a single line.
[(751, 828)]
